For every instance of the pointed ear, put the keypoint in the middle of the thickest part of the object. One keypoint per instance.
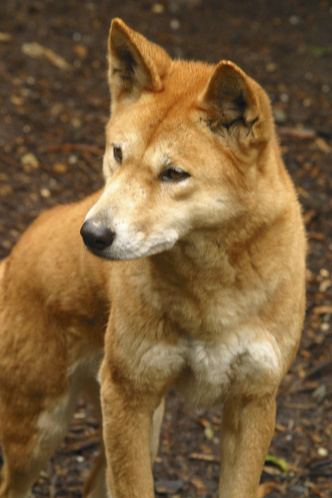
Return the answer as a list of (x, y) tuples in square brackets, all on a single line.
[(135, 64), (237, 106)]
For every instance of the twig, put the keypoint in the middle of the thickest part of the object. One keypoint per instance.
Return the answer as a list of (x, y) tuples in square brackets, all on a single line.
[(72, 148), (301, 133), (9, 160), (78, 446), (205, 457), (324, 367)]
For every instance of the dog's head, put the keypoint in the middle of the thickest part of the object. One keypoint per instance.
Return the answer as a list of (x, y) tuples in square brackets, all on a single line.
[(184, 147)]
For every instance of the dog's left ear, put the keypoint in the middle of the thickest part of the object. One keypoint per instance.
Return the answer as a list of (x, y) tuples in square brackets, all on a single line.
[(237, 106), (135, 64)]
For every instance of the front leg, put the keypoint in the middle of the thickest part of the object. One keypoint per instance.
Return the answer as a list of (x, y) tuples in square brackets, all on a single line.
[(246, 432), (143, 356), (127, 427)]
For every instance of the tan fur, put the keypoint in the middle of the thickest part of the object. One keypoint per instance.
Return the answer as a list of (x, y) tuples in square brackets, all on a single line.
[(207, 293)]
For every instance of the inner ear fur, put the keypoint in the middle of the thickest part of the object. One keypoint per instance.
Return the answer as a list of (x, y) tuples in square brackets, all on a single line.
[(135, 64), (233, 101)]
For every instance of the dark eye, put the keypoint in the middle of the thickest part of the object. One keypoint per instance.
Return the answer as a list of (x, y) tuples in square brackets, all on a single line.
[(117, 151), (174, 175)]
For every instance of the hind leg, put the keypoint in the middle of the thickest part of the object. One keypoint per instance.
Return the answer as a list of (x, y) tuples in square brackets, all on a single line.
[(30, 434), (17, 479), (155, 430), (95, 486)]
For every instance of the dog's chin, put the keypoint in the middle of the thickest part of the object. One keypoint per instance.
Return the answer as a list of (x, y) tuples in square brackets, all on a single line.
[(103, 254), (127, 253)]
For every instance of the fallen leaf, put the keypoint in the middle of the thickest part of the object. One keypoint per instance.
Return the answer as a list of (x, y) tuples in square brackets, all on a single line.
[(208, 433), (323, 145), (199, 484), (266, 487), (60, 168), (279, 462)]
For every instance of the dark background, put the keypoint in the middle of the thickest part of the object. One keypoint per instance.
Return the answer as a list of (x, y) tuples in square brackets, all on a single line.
[(54, 106)]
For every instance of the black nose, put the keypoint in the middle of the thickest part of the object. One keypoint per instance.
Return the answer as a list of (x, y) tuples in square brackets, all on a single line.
[(96, 235)]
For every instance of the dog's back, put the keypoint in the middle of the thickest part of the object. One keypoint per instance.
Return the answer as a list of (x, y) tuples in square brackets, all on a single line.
[(53, 312)]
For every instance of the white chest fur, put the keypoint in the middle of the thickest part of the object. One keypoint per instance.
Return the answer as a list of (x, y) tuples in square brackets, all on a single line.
[(244, 361)]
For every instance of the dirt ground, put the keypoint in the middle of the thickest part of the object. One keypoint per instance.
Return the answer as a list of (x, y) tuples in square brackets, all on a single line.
[(54, 106)]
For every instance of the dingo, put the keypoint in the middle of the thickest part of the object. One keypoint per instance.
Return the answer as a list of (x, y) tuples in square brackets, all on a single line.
[(207, 293)]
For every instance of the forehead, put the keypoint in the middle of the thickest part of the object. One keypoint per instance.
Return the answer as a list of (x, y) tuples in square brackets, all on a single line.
[(169, 111)]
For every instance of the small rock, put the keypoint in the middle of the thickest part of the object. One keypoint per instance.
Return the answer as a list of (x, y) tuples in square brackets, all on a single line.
[(325, 327), (30, 159), (280, 116), (322, 452), (76, 122), (44, 192), (284, 97), (72, 159), (16, 100), (294, 20), (271, 66), (81, 51), (175, 24), (158, 8)]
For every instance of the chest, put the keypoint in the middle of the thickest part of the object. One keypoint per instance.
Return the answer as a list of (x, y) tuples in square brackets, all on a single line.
[(245, 361), (206, 376)]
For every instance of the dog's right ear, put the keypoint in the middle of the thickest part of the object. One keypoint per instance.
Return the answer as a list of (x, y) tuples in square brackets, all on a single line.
[(238, 108), (135, 64)]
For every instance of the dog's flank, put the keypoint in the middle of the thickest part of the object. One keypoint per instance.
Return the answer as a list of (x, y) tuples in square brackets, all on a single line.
[(206, 295)]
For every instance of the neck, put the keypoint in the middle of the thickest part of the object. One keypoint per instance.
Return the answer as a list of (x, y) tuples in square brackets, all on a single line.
[(202, 256), (215, 257)]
